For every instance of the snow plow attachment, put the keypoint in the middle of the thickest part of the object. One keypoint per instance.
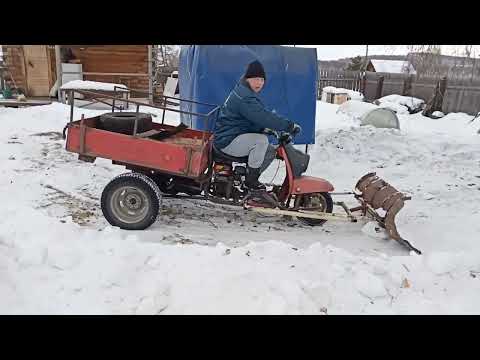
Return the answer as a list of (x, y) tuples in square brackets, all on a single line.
[(374, 193)]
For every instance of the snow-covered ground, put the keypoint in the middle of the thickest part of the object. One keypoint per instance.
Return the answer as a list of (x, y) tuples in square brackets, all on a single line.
[(58, 255)]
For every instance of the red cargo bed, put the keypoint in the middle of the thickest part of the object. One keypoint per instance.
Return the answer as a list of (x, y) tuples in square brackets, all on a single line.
[(183, 154)]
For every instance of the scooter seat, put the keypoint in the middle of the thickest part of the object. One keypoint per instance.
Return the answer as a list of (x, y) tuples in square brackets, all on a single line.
[(221, 156)]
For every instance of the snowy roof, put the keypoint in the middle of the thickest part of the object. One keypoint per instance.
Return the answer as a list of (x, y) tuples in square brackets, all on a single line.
[(354, 95), (334, 90), (92, 85), (393, 66)]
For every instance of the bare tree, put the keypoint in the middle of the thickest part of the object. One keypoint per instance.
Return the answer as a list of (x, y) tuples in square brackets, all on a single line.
[(426, 59), (166, 59), (168, 55)]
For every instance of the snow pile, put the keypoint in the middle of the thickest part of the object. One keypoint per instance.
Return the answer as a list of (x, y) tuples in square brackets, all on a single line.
[(115, 272), (92, 85), (356, 109), (59, 256), (457, 124), (413, 104), (438, 114), (352, 94), (395, 107)]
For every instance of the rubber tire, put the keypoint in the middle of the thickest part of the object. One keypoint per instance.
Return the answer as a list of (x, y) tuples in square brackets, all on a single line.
[(135, 180), (319, 222), (124, 122)]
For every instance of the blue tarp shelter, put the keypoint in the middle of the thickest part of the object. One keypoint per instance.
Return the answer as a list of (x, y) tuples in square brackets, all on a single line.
[(207, 74)]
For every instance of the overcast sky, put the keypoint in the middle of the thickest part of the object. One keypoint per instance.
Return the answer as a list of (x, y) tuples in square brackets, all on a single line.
[(334, 52)]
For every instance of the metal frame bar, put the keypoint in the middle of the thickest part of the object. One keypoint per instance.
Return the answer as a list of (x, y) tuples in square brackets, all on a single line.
[(105, 74), (167, 97), (88, 92), (97, 95)]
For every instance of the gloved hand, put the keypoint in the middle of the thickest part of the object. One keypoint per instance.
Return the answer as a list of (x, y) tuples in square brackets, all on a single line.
[(296, 129)]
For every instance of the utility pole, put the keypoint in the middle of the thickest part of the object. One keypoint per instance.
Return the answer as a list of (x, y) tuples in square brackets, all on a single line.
[(366, 58)]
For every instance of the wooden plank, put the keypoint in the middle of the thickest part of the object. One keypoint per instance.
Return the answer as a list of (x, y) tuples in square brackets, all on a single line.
[(149, 133), (303, 214), (37, 70), (183, 141), (108, 63), (13, 102)]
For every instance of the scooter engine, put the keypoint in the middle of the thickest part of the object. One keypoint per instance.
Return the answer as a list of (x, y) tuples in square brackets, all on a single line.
[(226, 182)]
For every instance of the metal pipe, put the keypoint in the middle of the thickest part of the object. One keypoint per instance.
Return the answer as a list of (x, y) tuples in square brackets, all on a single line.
[(115, 95), (165, 96), (105, 74), (87, 92), (165, 105), (135, 126), (71, 99)]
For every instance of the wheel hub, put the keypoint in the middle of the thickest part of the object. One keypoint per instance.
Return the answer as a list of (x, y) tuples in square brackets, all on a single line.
[(129, 204), (316, 202), (133, 201)]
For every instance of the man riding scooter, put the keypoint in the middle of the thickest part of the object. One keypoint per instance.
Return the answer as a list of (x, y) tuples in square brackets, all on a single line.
[(242, 121)]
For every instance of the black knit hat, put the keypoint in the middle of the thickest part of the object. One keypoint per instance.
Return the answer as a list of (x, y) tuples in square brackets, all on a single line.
[(255, 69)]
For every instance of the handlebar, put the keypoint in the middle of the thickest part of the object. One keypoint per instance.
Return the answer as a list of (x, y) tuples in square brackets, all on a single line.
[(282, 136)]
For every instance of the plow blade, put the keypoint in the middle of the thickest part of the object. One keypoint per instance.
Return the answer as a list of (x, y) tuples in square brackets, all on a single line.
[(376, 193)]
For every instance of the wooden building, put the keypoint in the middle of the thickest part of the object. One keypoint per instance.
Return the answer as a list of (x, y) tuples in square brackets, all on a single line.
[(33, 68), (391, 66)]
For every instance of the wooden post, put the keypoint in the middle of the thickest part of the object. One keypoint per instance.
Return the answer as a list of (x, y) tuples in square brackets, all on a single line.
[(83, 130), (378, 95), (436, 102), (407, 86), (441, 94), (58, 63), (364, 84)]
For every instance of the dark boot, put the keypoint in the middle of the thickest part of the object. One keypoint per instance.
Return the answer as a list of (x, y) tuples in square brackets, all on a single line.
[(251, 180)]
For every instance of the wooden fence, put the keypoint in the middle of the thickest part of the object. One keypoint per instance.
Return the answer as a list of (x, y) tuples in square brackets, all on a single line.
[(341, 79), (460, 94)]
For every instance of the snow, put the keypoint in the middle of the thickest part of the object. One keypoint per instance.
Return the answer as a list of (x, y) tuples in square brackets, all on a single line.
[(92, 85), (393, 66), (352, 94), (438, 114), (410, 102), (356, 109), (58, 255), (398, 108)]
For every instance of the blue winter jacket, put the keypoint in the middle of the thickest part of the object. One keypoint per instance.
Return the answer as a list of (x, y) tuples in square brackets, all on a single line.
[(243, 112)]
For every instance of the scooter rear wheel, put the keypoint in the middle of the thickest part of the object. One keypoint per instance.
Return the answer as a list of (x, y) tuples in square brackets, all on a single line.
[(318, 201)]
